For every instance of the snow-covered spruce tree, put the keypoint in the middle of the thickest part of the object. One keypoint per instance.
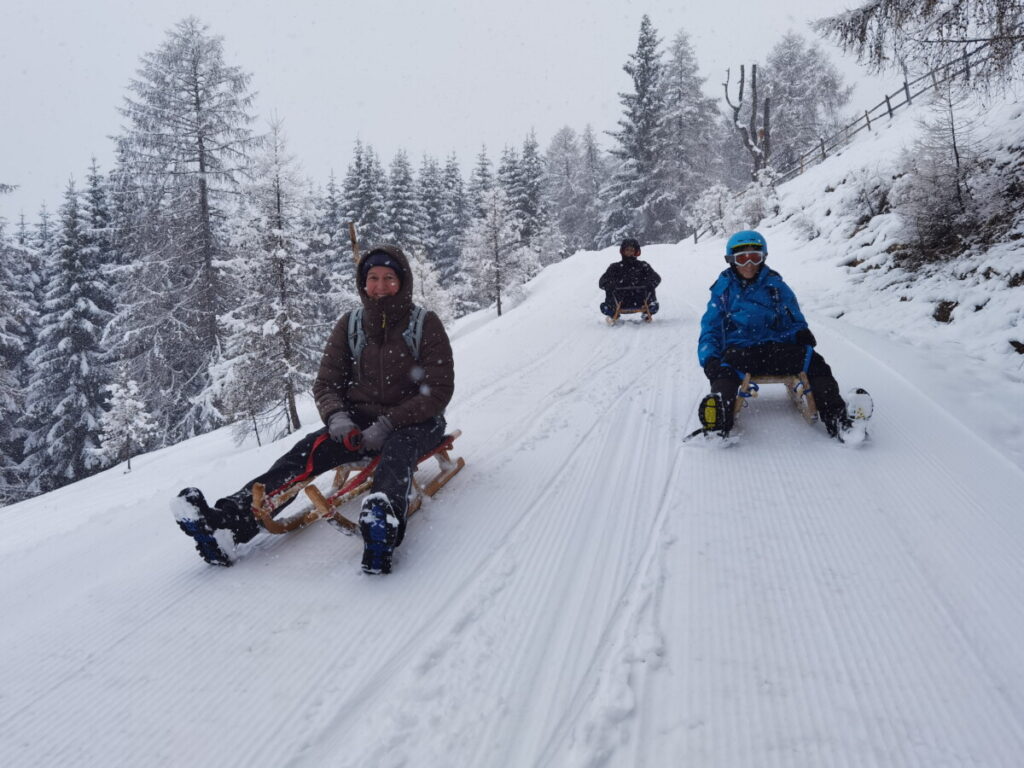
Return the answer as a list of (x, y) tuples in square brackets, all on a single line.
[(636, 206), (430, 190), (187, 144), (481, 181), (807, 93), (685, 166), (66, 396), (920, 35), (270, 357), (453, 223), (331, 259), (365, 193), (529, 194), (403, 222), (495, 264), (127, 427)]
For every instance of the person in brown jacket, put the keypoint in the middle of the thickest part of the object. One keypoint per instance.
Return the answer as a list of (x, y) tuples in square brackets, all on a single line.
[(390, 401)]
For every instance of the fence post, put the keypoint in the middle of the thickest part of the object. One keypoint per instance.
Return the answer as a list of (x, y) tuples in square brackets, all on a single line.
[(867, 119), (821, 143), (906, 90), (888, 106), (967, 68)]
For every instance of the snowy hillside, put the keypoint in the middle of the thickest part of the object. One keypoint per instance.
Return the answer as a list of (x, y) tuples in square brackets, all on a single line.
[(588, 591)]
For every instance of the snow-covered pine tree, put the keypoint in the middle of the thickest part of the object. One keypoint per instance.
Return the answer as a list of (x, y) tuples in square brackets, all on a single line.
[(807, 93), (453, 224), (187, 144), (127, 428), (685, 166), (595, 176), (529, 194), (427, 289), (564, 188), (66, 396), (270, 357), (365, 193), (495, 264), (403, 222), (330, 257), (16, 323), (430, 190), (635, 205)]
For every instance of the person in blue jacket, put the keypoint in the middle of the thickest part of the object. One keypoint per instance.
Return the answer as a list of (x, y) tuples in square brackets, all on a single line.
[(753, 324)]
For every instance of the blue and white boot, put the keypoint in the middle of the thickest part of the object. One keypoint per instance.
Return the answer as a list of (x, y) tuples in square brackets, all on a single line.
[(193, 515), (379, 525)]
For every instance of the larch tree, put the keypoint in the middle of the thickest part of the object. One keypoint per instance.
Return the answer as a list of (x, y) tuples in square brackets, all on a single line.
[(807, 94), (187, 146)]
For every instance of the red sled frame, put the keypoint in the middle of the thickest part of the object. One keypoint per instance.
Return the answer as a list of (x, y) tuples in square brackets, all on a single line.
[(351, 480)]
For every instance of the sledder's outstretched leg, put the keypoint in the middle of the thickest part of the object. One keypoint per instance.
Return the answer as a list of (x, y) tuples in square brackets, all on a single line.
[(217, 529)]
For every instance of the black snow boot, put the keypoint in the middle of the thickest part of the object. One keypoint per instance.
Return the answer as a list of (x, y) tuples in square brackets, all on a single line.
[(195, 518), (379, 526)]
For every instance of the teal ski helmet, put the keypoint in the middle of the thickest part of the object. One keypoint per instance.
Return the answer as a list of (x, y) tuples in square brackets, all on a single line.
[(745, 240)]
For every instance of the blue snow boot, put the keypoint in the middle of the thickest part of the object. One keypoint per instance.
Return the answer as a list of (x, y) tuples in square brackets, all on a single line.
[(379, 526), (194, 517)]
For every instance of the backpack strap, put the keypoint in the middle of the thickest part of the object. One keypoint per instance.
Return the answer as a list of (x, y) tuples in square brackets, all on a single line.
[(356, 338), (413, 334)]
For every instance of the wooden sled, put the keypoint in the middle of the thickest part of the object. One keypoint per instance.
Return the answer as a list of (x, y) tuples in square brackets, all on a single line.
[(351, 480), (642, 309), (797, 387), (619, 311)]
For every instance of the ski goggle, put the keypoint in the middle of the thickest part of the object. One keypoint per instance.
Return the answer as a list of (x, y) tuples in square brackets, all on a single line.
[(743, 258)]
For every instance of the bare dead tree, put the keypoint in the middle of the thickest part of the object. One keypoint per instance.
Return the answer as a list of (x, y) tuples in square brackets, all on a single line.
[(756, 138)]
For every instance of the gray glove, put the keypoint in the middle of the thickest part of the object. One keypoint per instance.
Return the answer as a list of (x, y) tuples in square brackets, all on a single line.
[(375, 434), (340, 426)]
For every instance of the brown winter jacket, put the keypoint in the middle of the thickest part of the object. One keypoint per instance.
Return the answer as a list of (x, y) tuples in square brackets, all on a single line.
[(390, 381)]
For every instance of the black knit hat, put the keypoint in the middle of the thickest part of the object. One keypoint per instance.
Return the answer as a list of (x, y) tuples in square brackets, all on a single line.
[(379, 258), (630, 242)]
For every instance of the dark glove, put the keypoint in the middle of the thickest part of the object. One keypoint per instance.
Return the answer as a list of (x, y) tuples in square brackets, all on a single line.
[(375, 434), (805, 338), (713, 368), (343, 430)]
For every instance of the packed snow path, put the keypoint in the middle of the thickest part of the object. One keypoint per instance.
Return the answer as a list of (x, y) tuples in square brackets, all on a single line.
[(589, 591)]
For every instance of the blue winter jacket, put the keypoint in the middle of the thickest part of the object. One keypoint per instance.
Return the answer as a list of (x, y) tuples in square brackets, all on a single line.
[(744, 315)]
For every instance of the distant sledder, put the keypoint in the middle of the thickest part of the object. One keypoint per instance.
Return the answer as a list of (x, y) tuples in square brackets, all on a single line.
[(385, 378), (752, 333), (629, 285)]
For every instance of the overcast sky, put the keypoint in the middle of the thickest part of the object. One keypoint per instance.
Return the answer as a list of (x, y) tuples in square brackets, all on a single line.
[(429, 76)]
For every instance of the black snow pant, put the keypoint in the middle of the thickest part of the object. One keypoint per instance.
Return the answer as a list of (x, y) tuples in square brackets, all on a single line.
[(317, 453), (775, 359)]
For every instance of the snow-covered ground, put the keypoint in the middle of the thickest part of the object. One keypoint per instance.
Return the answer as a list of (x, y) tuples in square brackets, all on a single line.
[(588, 591)]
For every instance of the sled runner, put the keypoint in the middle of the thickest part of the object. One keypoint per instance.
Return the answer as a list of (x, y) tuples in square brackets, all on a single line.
[(351, 480), (630, 301), (797, 387)]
